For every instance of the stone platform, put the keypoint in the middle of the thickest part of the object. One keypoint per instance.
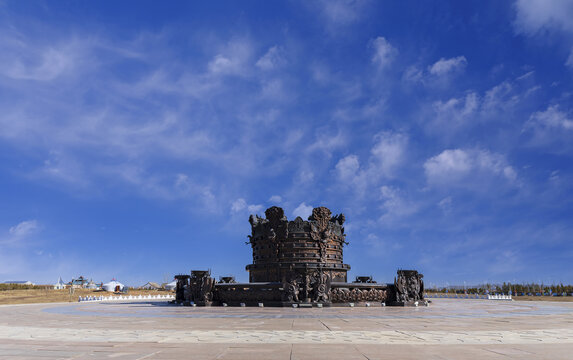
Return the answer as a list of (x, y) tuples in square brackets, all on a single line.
[(448, 329)]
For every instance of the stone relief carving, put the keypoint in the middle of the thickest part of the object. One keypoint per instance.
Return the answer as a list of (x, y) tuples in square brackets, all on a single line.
[(344, 295), (291, 290), (321, 287), (409, 286), (201, 286), (298, 225), (320, 229), (181, 287)]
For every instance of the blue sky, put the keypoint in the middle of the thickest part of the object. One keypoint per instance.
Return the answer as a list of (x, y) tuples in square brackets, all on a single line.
[(137, 137)]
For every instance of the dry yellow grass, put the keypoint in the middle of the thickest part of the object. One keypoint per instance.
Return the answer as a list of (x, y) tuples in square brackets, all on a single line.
[(533, 298), (544, 298), (31, 296)]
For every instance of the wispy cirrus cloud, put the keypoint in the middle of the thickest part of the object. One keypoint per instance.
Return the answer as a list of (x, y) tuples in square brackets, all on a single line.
[(341, 12), (440, 73), (536, 16), (17, 234), (551, 128), (383, 52), (444, 66)]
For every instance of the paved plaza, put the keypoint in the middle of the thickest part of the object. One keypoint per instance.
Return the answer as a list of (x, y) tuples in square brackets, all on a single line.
[(447, 329)]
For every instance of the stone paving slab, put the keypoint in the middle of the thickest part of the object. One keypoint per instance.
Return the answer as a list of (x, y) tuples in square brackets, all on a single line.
[(553, 336), (448, 329)]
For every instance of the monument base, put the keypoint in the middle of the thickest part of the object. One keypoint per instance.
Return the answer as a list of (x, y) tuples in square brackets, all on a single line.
[(408, 303)]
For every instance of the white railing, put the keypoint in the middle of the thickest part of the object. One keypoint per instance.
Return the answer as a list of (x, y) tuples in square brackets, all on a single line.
[(469, 296), (126, 298), (499, 297)]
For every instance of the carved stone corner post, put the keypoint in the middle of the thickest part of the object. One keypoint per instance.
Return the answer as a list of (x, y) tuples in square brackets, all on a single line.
[(291, 287), (181, 288), (201, 286), (408, 288), (321, 288)]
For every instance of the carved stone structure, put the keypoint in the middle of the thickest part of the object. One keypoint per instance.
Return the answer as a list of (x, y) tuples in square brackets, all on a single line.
[(408, 287), (298, 263), (281, 246)]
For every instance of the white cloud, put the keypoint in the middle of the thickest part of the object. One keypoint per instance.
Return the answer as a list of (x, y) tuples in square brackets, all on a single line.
[(238, 205), (446, 205), (221, 64), (24, 228), (386, 156), (551, 127), (438, 74), (413, 75), (241, 205), (275, 199), (40, 62), (536, 16), (253, 209), (388, 152), (456, 111), (303, 210), (446, 66), (384, 53), (569, 61), (274, 89), (327, 142), (305, 176), (347, 168), (552, 117), (185, 186), (496, 104), (341, 12), (458, 166), (394, 205), (500, 98), (233, 59), (449, 162), (273, 59)]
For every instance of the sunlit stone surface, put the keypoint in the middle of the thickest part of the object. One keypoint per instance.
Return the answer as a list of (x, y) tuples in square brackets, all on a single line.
[(451, 329)]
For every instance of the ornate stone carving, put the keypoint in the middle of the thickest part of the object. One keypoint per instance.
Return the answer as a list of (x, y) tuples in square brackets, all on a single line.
[(291, 289), (278, 231), (321, 287), (181, 287), (298, 262), (320, 229), (409, 286), (201, 286), (344, 295), (298, 225)]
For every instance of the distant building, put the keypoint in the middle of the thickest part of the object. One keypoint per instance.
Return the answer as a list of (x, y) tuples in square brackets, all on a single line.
[(170, 286), (151, 286), (113, 286), (92, 286), (19, 282), (80, 282), (60, 284)]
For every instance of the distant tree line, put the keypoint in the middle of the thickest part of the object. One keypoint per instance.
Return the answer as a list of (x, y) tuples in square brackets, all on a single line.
[(505, 288)]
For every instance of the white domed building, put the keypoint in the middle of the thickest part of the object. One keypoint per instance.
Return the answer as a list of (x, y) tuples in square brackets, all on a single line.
[(113, 286)]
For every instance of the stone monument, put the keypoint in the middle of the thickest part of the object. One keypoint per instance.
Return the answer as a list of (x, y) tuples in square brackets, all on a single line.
[(299, 263)]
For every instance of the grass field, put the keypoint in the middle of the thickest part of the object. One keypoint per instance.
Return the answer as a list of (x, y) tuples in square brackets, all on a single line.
[(31, 296)]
